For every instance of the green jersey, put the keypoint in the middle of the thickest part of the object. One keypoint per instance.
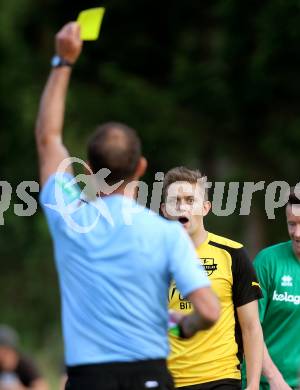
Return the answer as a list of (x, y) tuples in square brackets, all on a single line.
[(278, 271)]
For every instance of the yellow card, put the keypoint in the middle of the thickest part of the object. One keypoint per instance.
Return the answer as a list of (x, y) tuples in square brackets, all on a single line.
[(90, 22)]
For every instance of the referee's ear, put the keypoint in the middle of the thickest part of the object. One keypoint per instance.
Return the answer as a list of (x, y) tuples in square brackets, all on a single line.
[(141, 168)]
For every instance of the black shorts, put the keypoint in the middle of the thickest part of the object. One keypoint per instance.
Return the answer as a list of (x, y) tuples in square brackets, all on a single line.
[(223, 384), (142, 375)]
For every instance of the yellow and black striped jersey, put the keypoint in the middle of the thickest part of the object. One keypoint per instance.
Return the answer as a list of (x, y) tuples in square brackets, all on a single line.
[(215, 354)]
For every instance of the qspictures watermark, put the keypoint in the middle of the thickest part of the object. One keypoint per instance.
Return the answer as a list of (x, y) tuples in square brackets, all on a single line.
[(68, 196)]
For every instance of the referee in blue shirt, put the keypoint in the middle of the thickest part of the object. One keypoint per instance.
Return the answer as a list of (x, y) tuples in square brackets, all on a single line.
[(114, 277)]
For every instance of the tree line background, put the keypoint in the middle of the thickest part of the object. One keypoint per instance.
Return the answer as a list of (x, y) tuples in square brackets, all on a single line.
[(212, 85)]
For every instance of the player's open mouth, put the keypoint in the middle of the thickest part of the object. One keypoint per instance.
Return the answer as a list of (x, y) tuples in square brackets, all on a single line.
[(183, 220)]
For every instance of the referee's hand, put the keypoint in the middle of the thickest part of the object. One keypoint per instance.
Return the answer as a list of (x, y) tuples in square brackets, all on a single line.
[(68, 43)]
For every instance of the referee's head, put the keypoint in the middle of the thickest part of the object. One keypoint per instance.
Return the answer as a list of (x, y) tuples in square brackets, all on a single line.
[(117, 147)]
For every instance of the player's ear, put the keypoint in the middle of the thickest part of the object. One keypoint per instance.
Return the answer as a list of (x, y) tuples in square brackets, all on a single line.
[(163, 209), (206, 207)]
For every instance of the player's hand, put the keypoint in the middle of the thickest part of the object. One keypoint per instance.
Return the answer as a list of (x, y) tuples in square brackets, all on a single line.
[(174, 323), (278, 383), (68, 43), (175, 316)]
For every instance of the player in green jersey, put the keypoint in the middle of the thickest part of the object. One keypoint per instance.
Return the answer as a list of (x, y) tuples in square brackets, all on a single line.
[(278, 270)]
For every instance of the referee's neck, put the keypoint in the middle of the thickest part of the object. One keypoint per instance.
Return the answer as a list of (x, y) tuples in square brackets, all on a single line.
[(128, 189)]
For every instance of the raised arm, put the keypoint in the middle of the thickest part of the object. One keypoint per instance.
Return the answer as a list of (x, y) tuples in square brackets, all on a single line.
[(50, 119)]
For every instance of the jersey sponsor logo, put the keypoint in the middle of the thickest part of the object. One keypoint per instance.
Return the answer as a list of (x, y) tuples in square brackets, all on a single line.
[(209, 265), (287, 281), (174, 289), (183, 303), (286, 297)]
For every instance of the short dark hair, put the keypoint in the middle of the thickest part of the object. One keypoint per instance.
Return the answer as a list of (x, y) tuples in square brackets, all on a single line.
[(192, 176), (294, 197), (117, 147)]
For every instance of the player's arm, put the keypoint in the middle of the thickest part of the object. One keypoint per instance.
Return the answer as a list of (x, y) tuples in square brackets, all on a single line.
[(246, 292), (253, 342), (271, 372), (206, 313), (49, 124), (269, 369)]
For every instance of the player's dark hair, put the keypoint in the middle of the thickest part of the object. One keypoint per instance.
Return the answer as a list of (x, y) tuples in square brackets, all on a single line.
[(117, 147), (192, 176), (294, 197)]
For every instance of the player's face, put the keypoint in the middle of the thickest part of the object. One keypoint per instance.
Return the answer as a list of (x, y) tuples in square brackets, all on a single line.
[(185, 203), (293, 222)]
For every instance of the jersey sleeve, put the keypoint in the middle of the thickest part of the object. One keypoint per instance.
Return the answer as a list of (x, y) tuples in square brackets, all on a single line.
[(185, 267), (27, 371), (246, 287), (263, 275)]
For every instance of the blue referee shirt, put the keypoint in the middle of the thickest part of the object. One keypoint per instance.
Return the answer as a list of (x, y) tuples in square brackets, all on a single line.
[(115, 261)]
